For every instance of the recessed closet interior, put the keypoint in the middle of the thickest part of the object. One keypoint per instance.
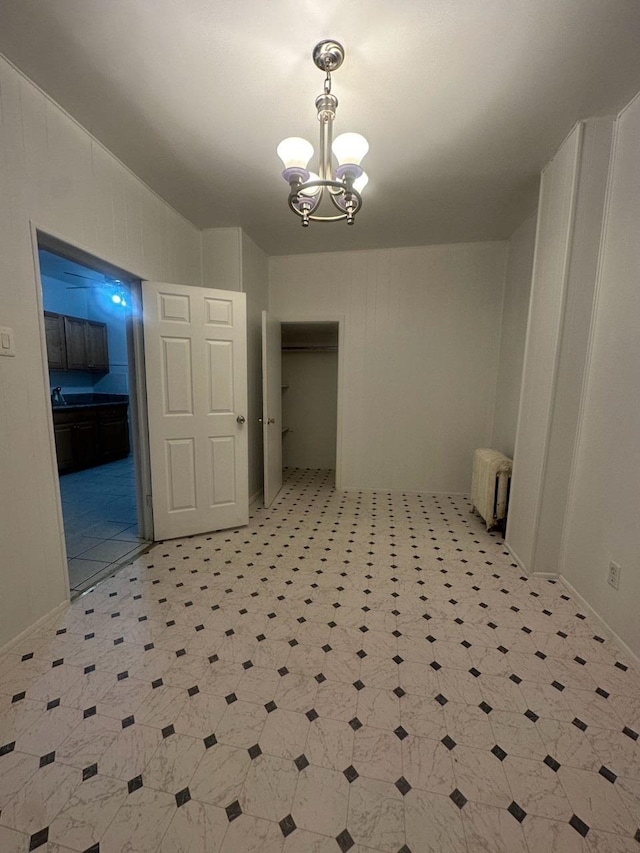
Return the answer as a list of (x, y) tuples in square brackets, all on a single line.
[(309, 394)]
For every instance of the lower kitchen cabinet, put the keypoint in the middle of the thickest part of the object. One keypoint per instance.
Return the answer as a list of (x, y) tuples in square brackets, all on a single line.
[(90, 435)]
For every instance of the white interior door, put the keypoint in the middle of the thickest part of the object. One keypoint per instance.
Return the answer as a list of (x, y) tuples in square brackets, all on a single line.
[(271, 406), (196, 368)]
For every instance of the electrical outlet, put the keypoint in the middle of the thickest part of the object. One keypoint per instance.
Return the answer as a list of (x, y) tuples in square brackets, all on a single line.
[(613, 578)]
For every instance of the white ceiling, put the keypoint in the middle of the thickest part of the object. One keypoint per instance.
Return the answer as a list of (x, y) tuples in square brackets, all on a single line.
[(462, 101)]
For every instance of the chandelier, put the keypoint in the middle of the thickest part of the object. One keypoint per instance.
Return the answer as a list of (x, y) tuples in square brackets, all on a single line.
[(341, 186)]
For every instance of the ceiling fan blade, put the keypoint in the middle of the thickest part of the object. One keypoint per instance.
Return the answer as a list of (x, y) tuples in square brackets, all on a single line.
[(87, 277)]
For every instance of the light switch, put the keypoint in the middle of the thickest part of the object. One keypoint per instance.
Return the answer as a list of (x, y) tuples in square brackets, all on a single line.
[(7, 346)]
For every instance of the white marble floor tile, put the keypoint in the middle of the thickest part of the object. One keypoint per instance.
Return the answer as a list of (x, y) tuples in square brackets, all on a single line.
[(350, 671), (195, 828)]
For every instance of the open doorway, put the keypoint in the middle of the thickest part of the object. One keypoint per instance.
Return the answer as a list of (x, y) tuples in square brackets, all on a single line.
[(309, 396), (92, 353), (301, 388)]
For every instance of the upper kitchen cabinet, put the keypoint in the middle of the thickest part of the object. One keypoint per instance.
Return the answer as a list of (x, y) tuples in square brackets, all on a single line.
[(56, 344), (95, 335), (74, 343)]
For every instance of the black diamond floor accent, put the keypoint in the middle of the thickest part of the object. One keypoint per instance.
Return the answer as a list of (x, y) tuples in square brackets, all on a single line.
[(270, 706), (39, 838), (358, 685), (345, 841), (458, 798), (134, 784), (484, 706), (441, 700), (355, 724), (399, 692), (287, 825), (49, 758), (50, 705), (128, 721), (351, 773), (183, 797), (7, 748), (89, 771), (210, 740), (312, 715), (157, 683), (579, 724), (167, 731), (301, 762), (403, 786), (231, 698), (609, 775), (193, 690), (499, 753), (254, 751), (517, 811), (552, 763), (579, 825), (449, 742), (233, 811), (400, 733), (532, 716)]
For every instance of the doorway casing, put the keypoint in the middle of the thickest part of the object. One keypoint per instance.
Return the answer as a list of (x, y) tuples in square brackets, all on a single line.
[(41, 239)]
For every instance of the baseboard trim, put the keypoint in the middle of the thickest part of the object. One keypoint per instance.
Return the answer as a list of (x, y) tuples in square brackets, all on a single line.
[(550, 575), (612, 634), (516, 559), (43, 620)]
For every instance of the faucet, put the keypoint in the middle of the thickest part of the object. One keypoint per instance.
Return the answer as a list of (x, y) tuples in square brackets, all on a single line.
[(56, 397)]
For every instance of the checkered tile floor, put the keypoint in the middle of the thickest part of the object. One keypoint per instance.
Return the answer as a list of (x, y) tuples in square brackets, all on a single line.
[(352, 671)]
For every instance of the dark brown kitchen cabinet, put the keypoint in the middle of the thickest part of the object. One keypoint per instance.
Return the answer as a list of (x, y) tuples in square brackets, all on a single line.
[(56, 344), (113, 433), (95, 335), (74, 343), (87, 345), (90, 435)]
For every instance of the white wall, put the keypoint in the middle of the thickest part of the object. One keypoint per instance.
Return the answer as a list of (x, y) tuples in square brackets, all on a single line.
[(565, 262), (255, 283), (222, 258), (515, 309), (53, 173), (309, 409), (421, 345), (602, 516)]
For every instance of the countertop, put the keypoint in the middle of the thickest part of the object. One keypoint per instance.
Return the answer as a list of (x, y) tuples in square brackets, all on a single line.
[(85, 401)]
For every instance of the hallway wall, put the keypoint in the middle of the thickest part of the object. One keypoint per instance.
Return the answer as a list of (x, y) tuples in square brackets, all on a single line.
[(55, 175)]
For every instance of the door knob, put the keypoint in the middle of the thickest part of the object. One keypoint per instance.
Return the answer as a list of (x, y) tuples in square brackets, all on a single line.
[(271, 420), (240, 419)]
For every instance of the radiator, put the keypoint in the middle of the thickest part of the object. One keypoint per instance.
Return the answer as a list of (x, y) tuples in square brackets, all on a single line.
[(490, 485)]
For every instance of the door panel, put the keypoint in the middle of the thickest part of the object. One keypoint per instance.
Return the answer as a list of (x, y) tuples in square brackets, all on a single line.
[(271, 406), (196, 364)]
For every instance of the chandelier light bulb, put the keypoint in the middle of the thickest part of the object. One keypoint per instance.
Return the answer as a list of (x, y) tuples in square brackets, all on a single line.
[(311, 191), (360, 183), (295, 152), (350, 148)]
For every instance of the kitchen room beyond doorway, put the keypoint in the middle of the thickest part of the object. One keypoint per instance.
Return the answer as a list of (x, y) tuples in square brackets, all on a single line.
[(88, 317)]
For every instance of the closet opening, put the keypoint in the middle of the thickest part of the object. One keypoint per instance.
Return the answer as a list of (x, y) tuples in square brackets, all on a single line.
[(309, 397), (93, 343)]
